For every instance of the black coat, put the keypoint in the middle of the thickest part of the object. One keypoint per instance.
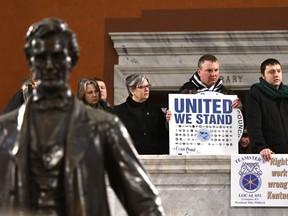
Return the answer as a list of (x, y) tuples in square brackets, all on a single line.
[(146, 125), (16, 100), (267, 121)]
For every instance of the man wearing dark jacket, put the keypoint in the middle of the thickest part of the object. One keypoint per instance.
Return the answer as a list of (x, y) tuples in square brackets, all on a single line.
[(206, 78), (55, 151), (266, 111)]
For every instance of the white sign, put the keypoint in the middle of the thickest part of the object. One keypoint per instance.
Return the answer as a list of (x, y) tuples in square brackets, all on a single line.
[(255, 182), (204, 123)]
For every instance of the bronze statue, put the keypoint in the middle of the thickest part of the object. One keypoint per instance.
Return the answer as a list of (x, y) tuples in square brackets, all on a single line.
[(55, 151)]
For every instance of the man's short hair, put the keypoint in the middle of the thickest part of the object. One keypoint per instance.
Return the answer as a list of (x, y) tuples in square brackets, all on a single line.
[(269, 61), (206, 57)]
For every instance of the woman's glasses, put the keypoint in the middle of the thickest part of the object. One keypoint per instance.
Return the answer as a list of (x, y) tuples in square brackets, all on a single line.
[(143, 86)]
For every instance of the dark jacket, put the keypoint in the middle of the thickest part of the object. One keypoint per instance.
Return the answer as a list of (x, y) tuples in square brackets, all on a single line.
[(97, 143), (145, 123), (105, 105), (17, 100), (267, 121)]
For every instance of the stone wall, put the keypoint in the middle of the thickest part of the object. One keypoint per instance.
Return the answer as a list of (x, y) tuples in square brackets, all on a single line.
[(194, 185), (170, 58)]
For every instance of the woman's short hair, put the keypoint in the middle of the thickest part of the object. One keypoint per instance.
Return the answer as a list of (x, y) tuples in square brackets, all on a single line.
[(82, 87), (133, 80)]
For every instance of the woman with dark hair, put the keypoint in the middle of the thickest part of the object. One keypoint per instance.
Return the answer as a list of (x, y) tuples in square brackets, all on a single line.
[(103, 90), (144, 120)]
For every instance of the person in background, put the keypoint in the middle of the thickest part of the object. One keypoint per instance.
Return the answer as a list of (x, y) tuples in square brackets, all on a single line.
[(21, 95), (266, 111), (206, 78), (244, 143), (89, 93), (144, 120), (103, 90), (57, 153), (102, 87)]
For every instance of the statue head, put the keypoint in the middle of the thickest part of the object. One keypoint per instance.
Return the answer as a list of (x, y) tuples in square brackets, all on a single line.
[(52, 51)]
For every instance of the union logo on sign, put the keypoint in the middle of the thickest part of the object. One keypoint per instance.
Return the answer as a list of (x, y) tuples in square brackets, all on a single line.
[(250, 180)]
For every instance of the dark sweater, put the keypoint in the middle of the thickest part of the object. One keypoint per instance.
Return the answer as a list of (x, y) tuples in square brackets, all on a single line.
[(145, 123)]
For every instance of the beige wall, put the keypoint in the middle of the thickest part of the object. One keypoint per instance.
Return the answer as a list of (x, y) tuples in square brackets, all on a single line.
[(92, 20)]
